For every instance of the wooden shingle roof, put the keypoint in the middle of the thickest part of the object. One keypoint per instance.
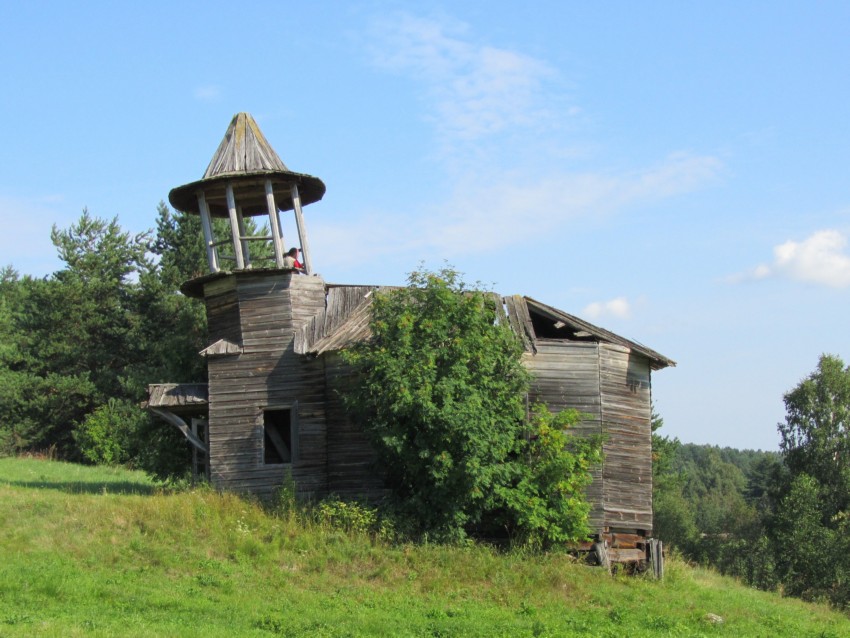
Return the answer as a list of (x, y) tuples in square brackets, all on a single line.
[(178, 397), (246, 160), (244, 149)]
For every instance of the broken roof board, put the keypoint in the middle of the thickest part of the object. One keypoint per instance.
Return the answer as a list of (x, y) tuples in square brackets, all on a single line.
[(353, 326)]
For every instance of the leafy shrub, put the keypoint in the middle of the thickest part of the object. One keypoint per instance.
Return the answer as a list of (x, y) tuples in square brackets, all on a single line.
[(546, 503), (348, 516), (106, 435), (440, 393)]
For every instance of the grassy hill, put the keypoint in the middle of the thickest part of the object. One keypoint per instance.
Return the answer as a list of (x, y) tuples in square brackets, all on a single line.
[(101, 552)]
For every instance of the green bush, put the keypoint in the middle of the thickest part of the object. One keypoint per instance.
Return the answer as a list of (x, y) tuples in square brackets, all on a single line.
[(347, 516), (441, 393), (106, 435), (546, 504)]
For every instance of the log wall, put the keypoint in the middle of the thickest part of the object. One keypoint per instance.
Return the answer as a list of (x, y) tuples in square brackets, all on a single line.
[(566, 375), (351, 458), (626, 416), (261, 312), (612, 386)]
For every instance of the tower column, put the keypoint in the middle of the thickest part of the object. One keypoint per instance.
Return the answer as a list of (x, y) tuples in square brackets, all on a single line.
[(234, 227), (206, 226), (243, 232), (274, 222), (302, 229)]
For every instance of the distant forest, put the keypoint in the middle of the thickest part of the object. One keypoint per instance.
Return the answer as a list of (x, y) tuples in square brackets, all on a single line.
[(79, 347), (777, 520)]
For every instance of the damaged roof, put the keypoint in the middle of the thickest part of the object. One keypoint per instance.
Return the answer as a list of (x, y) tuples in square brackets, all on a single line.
[(345, 322)]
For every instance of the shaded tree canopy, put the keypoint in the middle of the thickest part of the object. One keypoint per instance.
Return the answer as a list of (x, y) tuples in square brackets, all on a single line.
[(79, 347)]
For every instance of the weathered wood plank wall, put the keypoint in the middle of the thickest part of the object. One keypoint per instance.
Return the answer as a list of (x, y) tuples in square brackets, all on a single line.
[(627, 471), (566, 375), (266, 374), (351, 458), (611, 385)]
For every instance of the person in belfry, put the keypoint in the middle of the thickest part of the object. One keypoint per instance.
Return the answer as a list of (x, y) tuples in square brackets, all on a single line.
[(291, 260)]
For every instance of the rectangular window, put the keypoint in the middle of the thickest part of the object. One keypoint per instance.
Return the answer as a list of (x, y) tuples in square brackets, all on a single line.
[(278, 439)]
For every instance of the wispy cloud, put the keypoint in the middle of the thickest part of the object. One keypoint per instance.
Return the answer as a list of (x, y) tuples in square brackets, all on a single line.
[(504, 124), (207, 92), (473, 89), (490, 211), (819, 259), (618, 307)]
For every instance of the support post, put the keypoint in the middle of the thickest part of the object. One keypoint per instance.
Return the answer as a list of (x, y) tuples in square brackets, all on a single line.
[(243, 232), (302, 230), (600, 549), (180, 424), (234, 227), (206, 226), (194, 454), (656, 557), (203, 434), (274, 222)]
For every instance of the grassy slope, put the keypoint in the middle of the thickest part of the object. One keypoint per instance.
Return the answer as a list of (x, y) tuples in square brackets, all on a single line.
[(93, 552)]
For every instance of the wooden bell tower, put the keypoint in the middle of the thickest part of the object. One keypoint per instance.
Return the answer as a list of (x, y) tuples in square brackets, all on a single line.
[(265, 404), (247, 178)]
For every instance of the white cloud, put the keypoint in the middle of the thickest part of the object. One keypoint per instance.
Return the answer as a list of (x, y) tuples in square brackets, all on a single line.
[(819, 259), (491, 211), (474, 90), (618, 307), (207, 92), (494, 110), (488, 212)]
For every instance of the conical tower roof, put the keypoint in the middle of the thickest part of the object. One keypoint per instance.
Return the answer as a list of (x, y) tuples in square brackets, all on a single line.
[(246, 160), (244, 149)]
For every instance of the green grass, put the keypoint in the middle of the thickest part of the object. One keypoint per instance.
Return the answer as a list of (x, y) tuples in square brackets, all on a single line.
[(101, 552)]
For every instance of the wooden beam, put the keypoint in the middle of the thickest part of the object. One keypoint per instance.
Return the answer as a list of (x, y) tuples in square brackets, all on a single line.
[(180, 424), (243, 233), (274, 222), (302, 230), (206, 226), (234, 227), (279, 444)]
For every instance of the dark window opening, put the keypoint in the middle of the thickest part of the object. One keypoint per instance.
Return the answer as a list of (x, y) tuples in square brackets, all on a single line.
[(277, 435), (547, 328)]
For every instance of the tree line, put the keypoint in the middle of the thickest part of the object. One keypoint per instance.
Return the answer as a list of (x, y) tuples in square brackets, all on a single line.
[(777, 520), (79, 347)]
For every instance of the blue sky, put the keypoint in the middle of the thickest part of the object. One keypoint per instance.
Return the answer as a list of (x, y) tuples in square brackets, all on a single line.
[(674, 172)]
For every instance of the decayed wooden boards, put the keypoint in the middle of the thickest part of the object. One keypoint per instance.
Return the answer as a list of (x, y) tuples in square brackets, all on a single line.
[(610, 384), (627, 470), (290, 328), (265, 310), (244, 149), (344, 321)]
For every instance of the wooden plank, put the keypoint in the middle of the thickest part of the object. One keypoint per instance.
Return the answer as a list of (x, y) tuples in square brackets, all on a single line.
[(301, 227)]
